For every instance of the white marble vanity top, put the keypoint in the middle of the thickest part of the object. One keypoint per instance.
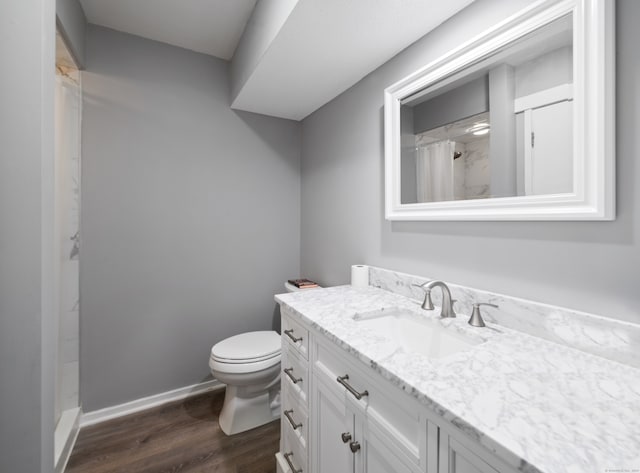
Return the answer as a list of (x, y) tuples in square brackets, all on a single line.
[(539, 405)]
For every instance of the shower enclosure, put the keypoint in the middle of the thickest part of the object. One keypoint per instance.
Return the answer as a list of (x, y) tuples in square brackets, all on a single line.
[(68, 111)]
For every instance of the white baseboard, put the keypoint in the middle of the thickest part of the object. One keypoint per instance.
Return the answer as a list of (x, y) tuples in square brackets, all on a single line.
[(101, 415), (65, 437)]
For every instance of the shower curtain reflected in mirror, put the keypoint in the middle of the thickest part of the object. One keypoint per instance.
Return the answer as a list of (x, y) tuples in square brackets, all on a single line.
[(434, 171)]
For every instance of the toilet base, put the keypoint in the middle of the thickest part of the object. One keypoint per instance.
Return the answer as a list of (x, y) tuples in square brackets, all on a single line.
[(243, 410)]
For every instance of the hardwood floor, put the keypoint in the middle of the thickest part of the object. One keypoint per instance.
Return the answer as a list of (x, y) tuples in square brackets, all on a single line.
[(180, 437)]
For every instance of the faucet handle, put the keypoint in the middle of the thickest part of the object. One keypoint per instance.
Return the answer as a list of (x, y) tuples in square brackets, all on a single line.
[(476, 318), (427, 304), (421, 285)]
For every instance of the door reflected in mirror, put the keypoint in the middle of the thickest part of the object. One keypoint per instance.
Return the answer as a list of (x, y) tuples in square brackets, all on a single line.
[(501, 127)]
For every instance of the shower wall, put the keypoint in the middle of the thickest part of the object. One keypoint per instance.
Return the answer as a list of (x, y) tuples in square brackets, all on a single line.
[(67, 173), (475, 166)]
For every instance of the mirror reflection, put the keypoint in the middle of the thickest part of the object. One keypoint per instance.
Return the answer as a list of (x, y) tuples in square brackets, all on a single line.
[(499, 128)]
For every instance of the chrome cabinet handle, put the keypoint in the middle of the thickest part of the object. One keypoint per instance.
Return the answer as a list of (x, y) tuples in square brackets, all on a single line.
[(289, 417), (356, 394), (354, 446), (287, 456), (346, 436), (289, 333), (289, 372)]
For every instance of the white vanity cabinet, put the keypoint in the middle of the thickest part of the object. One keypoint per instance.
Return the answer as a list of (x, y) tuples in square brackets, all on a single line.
[(355, 421)]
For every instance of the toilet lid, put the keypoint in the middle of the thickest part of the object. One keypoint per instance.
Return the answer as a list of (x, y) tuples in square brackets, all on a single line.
[(247, 347)]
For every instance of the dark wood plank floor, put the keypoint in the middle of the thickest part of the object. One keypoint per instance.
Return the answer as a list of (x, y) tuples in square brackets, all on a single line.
[(180, 437)]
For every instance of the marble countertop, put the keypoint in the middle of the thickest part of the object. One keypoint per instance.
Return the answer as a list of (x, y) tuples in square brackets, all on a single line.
[(540, 406)]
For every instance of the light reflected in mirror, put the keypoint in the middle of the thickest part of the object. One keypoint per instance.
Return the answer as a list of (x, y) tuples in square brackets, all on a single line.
[(499, 128)]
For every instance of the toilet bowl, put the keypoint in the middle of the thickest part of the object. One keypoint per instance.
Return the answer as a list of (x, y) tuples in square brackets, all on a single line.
[(249, 364)]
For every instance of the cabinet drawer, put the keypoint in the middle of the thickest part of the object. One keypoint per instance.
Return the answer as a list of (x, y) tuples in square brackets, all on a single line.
[(295, 336), (295, 377), (295, 420), (329, 364), (294, 453), (281, 464)]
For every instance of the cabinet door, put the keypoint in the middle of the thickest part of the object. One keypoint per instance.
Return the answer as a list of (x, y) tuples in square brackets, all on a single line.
[(330, 418), (377, 457), (455, 458)]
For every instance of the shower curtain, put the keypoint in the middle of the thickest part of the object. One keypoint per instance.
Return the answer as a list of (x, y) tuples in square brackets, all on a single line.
[(434, 171)]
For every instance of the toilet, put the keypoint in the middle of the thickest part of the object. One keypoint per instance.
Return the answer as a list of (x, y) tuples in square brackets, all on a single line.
[(249, 364)]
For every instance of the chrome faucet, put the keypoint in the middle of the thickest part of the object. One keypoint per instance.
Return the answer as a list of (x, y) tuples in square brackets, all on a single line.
[(447, 303)]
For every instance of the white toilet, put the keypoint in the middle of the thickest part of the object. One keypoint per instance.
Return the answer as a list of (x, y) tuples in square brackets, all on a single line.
[(249, 364)]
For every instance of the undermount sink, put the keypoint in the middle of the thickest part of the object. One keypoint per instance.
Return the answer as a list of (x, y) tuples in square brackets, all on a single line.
[(416, 334)]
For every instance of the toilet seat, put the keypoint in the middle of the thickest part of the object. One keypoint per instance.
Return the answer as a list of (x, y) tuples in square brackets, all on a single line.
[(243, 361), (246, 352), (243, 368), (248, 347)]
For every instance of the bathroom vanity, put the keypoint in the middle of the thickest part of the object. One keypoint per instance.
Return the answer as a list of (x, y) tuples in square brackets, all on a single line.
[(361, 393)]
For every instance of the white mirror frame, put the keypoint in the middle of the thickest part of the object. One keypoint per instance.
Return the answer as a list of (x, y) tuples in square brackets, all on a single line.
[(593, 196)]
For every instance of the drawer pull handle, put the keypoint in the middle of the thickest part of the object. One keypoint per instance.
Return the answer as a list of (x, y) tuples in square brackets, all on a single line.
[(289, 334), (287, 456), (343, 380), (346, 436), (354, 446), (289, 372), (289, 417)]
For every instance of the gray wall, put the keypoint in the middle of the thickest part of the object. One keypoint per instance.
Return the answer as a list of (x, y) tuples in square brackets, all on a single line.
[(408, 181), (502, 139), (190, 217), (550, 70), (462, 102), (27, 335), (72, 24), (592, 266)]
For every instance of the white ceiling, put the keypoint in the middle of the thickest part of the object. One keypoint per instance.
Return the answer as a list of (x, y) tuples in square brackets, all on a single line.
[(323, 48), (211, 27)]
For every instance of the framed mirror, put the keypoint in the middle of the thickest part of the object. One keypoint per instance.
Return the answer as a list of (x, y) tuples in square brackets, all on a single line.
[(516, 124)]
